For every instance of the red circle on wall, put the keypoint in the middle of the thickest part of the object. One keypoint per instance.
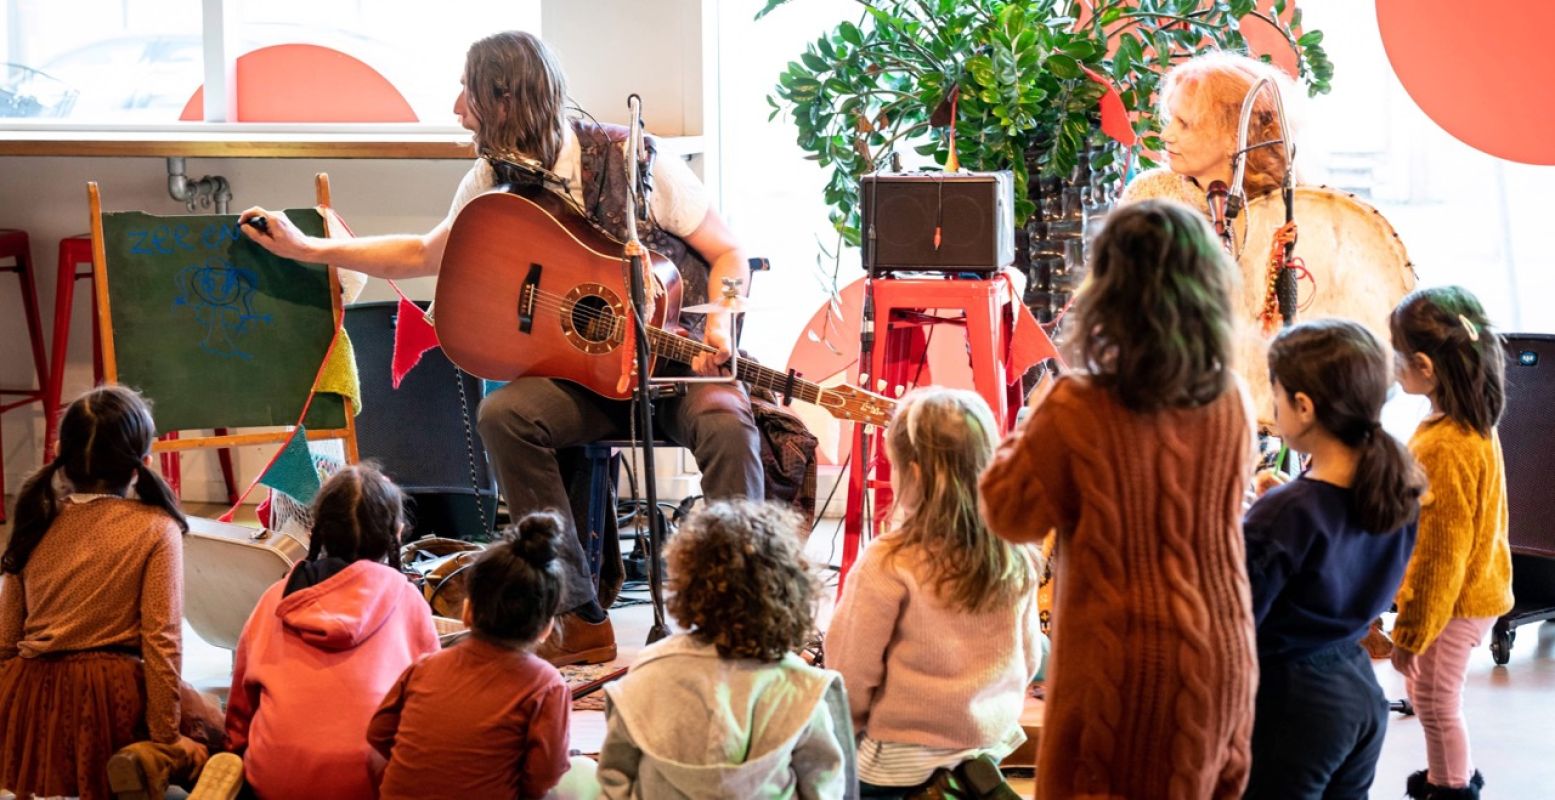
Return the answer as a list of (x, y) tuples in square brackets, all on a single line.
[(1486, 78)]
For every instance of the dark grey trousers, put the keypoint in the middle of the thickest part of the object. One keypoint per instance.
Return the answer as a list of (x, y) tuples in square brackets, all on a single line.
[(524, 423)]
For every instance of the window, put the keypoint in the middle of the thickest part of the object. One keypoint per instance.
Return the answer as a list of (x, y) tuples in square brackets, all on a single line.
[(138, 62), (1466, 217)]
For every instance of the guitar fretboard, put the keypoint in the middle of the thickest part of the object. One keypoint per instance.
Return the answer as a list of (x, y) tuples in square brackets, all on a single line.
[(679, 348)]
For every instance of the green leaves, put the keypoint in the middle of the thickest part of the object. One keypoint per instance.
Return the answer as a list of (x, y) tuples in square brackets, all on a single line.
[(867, 88)]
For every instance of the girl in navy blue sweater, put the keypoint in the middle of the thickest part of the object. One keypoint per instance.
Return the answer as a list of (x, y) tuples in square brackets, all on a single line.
[(1325, 554)]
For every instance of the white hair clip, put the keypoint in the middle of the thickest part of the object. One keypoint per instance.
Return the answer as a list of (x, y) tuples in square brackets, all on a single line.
[(1470, 327)]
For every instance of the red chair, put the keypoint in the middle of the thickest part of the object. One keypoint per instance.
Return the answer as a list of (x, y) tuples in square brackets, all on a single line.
[(905, 309), (74, 252), (14, 245)]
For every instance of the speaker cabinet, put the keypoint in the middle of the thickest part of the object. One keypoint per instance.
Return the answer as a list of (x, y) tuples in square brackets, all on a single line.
[(938, 221), (423, 433), (1528, 442)]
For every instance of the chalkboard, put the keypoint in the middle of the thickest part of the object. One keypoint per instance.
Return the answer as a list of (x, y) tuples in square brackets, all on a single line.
[(214, 329)]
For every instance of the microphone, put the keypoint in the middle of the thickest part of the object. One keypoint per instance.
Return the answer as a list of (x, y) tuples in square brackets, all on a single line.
[(1217, 198)]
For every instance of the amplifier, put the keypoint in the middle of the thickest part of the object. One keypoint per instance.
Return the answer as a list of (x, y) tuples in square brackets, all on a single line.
[(938, 221)]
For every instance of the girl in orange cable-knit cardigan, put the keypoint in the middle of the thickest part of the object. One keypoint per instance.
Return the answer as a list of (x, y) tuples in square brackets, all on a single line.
[(1141, 464), (1460, 577)]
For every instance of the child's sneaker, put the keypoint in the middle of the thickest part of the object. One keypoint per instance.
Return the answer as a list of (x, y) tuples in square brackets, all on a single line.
[(221, 779), (127, 778)]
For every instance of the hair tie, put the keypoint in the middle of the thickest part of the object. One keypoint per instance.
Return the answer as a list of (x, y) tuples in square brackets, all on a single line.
[(1470, 327)]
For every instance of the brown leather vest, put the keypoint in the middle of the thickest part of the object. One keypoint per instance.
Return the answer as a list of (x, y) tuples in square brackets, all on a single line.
[(605, 198)]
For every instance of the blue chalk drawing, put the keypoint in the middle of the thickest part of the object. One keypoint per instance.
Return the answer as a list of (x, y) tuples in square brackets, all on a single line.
[(221, 296)]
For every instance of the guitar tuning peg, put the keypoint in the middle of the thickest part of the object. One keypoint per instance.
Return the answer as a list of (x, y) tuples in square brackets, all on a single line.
[(880, 385), (863, 379), (900, 390)]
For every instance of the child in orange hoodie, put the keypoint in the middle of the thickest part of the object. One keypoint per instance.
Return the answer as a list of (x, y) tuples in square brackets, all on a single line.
[(324, 645)]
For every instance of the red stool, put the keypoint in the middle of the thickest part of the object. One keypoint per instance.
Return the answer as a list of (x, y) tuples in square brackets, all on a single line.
[(903, 309), (15, 245), (74, 252)]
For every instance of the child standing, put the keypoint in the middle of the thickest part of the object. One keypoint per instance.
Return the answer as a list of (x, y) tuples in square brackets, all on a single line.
[(91, 609), (1140, 463), (485, 718), (1325, 554), (729, 709), (937, 634), (324, 645), (1460, 578)]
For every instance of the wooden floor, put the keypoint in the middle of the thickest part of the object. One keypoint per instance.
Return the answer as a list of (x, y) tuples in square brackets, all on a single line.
[(1511, 709)]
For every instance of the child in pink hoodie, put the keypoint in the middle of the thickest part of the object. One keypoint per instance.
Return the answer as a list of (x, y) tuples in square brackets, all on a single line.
[(324, 645)]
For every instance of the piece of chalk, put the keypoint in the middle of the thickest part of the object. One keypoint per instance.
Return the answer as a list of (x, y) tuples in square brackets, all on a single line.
[(262, 224)]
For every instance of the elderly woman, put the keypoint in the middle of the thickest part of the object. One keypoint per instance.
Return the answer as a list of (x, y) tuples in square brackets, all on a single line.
[(1201, 100)]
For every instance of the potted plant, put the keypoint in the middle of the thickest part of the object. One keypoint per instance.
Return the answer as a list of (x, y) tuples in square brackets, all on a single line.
[(1025, 78)]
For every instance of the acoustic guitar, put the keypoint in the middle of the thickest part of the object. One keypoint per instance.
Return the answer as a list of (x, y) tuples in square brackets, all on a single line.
[(529, 286)]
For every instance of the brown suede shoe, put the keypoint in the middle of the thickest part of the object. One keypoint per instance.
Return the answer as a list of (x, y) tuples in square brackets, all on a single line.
[(1377, 643), (575, 640)]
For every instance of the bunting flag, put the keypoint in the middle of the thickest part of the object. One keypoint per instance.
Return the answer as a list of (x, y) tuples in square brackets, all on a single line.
[(413, 337), (291, 471), (339, 375), (1115, 121)]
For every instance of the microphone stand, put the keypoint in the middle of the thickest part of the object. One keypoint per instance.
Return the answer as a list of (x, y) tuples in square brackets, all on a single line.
[(637, 263), (1285, 282), (636, 257)]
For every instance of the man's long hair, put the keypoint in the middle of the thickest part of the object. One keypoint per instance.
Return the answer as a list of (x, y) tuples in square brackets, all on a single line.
[(518, 94)]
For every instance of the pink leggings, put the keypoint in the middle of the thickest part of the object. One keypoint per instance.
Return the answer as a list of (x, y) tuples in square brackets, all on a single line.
[(1438, 698)]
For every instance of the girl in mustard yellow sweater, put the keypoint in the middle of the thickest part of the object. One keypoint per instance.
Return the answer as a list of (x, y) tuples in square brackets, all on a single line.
[(1460, 577)]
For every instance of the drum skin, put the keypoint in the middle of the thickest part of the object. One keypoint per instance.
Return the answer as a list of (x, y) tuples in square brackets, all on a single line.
[(1358, 268)]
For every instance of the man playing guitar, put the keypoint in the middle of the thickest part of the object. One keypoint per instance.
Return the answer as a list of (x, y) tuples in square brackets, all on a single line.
[(514, 100)]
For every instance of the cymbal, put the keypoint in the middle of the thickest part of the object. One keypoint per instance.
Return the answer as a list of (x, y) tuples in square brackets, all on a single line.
[(727, 305)]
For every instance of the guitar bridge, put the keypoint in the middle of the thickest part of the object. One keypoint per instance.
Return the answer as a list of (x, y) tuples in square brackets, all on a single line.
[(526, 299)]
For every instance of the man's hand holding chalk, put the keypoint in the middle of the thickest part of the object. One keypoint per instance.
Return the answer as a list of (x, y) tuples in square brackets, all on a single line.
[(274, 232)]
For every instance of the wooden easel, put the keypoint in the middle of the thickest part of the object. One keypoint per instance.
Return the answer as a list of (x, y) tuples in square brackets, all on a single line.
[(110, 364)]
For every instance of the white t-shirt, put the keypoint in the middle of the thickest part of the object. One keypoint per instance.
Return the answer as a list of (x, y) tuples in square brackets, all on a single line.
[(678, 202)]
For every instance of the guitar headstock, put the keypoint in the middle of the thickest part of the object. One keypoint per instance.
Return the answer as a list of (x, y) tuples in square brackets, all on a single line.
[(851, 403)]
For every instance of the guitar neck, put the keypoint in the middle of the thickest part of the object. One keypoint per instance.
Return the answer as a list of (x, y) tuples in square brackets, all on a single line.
[(684, 350)]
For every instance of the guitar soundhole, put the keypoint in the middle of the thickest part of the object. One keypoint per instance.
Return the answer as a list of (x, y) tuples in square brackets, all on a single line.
[(591, 317)]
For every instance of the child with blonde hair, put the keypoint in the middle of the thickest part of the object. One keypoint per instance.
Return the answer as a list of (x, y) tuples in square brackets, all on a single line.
[(1140, 461), (1460, 577), (937, 632)]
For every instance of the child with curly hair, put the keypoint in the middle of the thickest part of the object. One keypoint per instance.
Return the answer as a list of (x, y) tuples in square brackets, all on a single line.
[(728, 709), (1460, 577), (1140, 461), (937, 632)]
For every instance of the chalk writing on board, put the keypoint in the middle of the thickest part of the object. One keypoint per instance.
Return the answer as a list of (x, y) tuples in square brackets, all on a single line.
[(221, 295)]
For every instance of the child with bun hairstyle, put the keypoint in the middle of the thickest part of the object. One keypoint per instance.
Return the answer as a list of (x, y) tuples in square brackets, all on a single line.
[(1460, 577), (728, 709), (323, 646), (486, 717)]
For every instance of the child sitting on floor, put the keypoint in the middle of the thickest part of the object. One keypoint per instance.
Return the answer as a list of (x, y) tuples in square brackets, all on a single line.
[(91, 612), (937, 633), (325, 644), (1325, 553), (728, 709), (485, 718)]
